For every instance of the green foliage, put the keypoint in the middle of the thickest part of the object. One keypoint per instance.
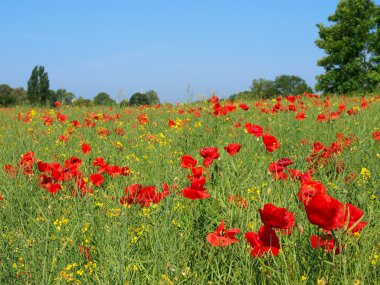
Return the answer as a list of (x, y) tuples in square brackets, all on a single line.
[(152, 97), (263, 88), (6, 96), (291, 85), (38, 86), (103, 99), (244, 95), (44, 237), (53, 97), (352, 47), (82, 102), (139, 99), (148, 98), (124, 103), (282, 85), (20, 95), (65, 97), (10, 96)]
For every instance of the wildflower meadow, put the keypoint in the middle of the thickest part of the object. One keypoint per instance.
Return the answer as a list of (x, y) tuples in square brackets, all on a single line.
[(282, 191)]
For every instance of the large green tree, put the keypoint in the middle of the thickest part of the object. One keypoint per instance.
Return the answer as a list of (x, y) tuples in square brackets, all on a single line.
[(264, 88), (291, 85), (152, 97), (148, 98), (6, 96), (352, 48), (64, 96), (38, 86), (103, 99), (139, 99), (281, 86)]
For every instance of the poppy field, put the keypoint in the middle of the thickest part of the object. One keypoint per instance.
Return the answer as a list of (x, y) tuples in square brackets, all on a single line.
[(282, 191)]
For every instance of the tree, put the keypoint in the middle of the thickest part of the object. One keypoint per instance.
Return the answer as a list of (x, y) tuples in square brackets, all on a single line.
[(291, 85), (20, 95), (65, 97), (352, 48), (139, 99), (6, 96), (152, 97), (38, 86), (264, 88), (53, 97), (124, 103), (103, 99), (82, 102)]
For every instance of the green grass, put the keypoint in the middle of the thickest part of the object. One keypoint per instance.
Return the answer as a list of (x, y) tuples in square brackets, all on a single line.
[(42, 235)]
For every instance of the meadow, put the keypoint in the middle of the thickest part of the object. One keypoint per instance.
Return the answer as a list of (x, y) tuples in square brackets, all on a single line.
[(138, 195)]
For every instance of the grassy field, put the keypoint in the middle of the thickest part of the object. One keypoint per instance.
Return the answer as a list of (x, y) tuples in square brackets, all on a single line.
[(68, 216)]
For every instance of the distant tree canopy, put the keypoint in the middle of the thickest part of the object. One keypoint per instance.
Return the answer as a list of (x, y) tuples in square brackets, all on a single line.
[(103, 99), (38, 86), (124, 103), (10, 96), (352, 47), (82, 102), (281, 86), (65, 97), (148, 98), (291, 85)]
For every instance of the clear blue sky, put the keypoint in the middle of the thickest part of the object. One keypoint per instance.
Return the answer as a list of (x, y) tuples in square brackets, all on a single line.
[(215, 46)]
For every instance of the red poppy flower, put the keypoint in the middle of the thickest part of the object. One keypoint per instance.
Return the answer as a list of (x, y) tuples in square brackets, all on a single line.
[(244, 107), (326, 241), (232, 149), (354, 216), (136, 194), (290, 99), (255, 130), (125, 171), (75, 123), (352, 111), (275, 167), (376, 136), (321, 118), (86, 148), (188, 161), (171, 123), (309, 189), (10, 170), (265, 241), (196, 190), (96, 179), (209, 154), (270, 142), (274, 217), (62, 118), (63, 138), (285, 161), (53, 188), (113, 170), (300, 116), (222, 237), (317, 147), (295, 173), (334, 115), (57, 104), (325, 212), (280, 175)]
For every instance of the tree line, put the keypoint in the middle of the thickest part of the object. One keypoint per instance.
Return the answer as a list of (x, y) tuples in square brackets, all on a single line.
[(40, 94)]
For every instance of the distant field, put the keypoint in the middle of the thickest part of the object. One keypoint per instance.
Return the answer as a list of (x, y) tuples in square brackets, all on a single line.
[(133, 195)]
